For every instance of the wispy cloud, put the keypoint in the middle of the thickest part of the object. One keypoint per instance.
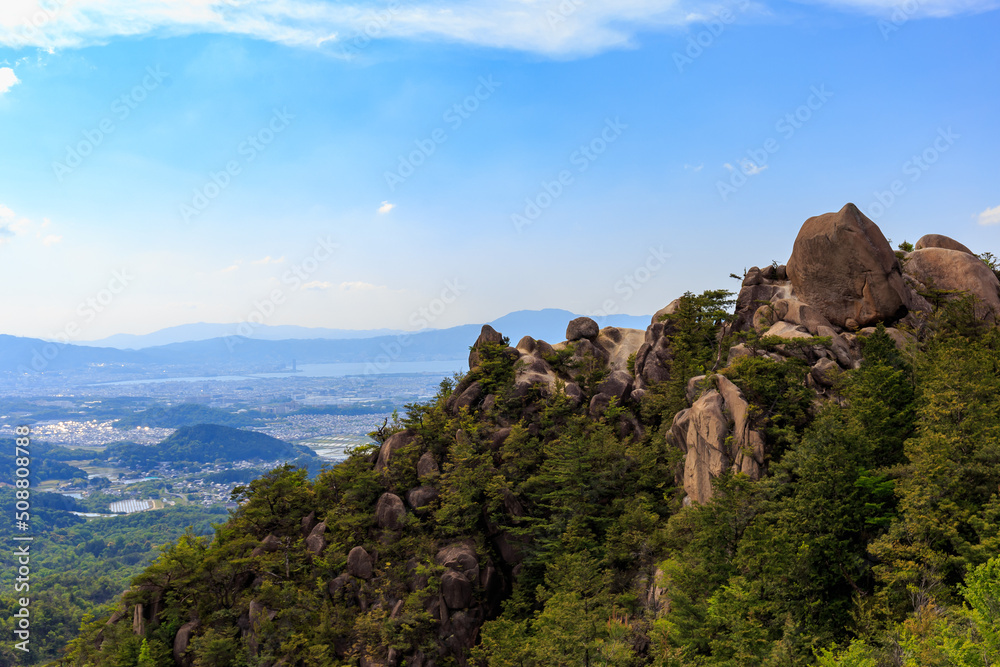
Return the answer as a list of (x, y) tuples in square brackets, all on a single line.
[(316, 285), (386, 207), (913, 8), (694, 168), (523, 25), (13, 226), (748, 167), (990, 216), (7, 79), (269, 260)]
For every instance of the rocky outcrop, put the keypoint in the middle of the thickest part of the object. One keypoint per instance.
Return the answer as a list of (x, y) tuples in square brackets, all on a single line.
[(316, 541), (469, 397), (420, 498), (359, 563), (617, 386), (842, 265), (456, 589), (938, 268), (652, 359), (181, 641), (390, 511), (587, 346), (460, 557), (427, 467), (138, 620), (715, 435), (268, 545), (619, 344), (393, 444), (580, 328), (488, 335), (940, 241)]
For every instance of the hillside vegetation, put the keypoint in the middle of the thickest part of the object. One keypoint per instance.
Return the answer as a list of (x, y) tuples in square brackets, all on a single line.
[(811, 478), (205, 443)]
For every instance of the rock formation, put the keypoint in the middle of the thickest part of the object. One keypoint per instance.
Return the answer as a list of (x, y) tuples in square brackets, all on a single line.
[(842, 265)]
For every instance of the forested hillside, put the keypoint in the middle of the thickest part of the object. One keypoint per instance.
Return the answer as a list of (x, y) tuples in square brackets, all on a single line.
[(810, 477)]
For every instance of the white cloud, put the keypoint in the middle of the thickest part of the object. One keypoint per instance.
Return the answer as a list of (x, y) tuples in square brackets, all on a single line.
[(386, 207), (748, 167), (524, 25), (316, 285), (269, 260), (51, 239), (357, 285), (13, 225), (990, 216), (696, 169), (7, 79)]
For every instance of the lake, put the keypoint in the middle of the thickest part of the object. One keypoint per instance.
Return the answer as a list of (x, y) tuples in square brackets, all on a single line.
[(443, 368)]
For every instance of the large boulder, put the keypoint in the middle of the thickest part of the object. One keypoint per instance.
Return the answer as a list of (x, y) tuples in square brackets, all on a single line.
[(581, 327), (842, 265), (940, 241), (487, 335), (359, 563), (393, 444), (456, 589), (617, 386), (420, 497), (469, 396), (316, 541), (269, 544), (427, 466), (955, 270), (460, 557), (390, 511)]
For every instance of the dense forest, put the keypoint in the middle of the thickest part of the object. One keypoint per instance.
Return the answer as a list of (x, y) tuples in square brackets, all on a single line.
[(79, 568), (204, 443)]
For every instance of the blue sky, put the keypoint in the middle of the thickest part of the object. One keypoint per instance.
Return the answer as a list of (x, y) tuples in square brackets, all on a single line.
[(356, 165)]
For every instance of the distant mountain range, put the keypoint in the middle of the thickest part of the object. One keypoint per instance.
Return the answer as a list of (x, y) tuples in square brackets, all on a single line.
[(232, 353), (186, 333), (549, 324)]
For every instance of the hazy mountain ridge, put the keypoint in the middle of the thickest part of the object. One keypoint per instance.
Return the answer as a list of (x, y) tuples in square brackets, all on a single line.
[(238, 352)]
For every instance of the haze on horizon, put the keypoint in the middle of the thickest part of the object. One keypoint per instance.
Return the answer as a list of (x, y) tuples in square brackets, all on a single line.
[(362, 165)]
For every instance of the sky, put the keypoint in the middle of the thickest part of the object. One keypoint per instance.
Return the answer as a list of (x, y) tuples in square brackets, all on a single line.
[(440, 162)]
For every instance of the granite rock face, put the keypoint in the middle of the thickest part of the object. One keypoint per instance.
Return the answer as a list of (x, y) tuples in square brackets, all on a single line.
[(842, 265)]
